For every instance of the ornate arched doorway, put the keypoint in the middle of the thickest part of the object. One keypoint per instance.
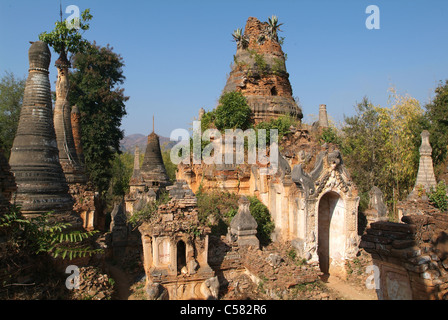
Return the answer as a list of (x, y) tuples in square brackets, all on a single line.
[(331, 231)]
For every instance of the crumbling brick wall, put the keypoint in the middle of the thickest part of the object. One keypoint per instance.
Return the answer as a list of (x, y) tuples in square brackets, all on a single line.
[(411, 257)]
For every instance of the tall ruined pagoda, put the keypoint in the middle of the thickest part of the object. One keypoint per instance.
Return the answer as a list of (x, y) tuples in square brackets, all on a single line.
[(68, 155), (259, 72), (34, 161)]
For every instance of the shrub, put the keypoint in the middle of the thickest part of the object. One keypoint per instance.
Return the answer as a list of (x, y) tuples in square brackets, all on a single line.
[(43, 234), (282, 124), (329, 135), (233, 112), (216, 209), (438, 197), (149, 211), (263, 217)]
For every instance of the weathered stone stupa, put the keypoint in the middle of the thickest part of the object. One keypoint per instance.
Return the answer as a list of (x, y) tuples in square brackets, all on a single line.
[(153, 170), (149, 180), (259, 73), (41, 185), (425, 176), (68, 156)]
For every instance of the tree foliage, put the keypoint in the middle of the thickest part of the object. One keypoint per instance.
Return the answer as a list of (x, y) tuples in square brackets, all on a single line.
[(437, 114), (380, 145), (122, 168), (44, 234), (67, 38), (233, 112), (263, 217), (282, 124), (11, 96), (439, 197), (95, 89)]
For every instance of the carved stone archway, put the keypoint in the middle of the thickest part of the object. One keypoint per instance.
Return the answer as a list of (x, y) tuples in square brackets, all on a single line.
[(331, 231)]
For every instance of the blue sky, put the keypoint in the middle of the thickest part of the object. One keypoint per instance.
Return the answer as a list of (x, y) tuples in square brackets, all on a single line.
[(178, 53)]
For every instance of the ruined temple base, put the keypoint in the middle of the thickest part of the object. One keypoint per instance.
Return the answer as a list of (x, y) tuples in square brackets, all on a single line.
[(410, 259)]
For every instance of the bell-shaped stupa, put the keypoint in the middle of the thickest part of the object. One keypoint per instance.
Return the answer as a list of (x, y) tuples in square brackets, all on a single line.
[(41, 184), (153, 171)]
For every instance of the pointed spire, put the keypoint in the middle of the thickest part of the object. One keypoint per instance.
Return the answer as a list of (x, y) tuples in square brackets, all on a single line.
[(425, 176), (153, 168)]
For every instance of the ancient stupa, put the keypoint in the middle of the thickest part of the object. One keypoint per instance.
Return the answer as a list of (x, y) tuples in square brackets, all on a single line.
[(41, 184), (68, 155), (426, 179), (149, 179), (153, 170), (259, 73)]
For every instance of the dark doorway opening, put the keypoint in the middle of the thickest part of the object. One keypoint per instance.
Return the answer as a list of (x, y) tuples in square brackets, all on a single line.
[(181, 256)]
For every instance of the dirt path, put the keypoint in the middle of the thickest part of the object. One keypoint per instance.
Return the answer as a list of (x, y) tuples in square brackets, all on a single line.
[(348, 291), (122, 283)]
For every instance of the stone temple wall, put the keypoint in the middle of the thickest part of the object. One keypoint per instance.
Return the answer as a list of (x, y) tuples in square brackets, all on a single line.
[(411, 258)]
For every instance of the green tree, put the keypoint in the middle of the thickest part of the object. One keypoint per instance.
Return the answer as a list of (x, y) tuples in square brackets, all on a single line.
[(64, 38), (437, 114), (401, 126), (380, 146), (361, 145), (122, 168), (233, 112), (11, 96), (95, 89), (170, 167)]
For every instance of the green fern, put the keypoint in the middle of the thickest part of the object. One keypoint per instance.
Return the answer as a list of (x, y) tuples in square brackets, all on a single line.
[(42, 234)]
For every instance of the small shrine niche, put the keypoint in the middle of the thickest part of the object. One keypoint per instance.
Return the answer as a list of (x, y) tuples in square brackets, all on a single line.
[(175, 249)]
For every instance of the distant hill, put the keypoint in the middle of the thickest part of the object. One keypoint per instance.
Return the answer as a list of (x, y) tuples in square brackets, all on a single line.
[(129, 142)]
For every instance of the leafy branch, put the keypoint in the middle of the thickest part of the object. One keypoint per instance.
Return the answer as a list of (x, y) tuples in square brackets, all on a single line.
[(65, 38), (42, 234)]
